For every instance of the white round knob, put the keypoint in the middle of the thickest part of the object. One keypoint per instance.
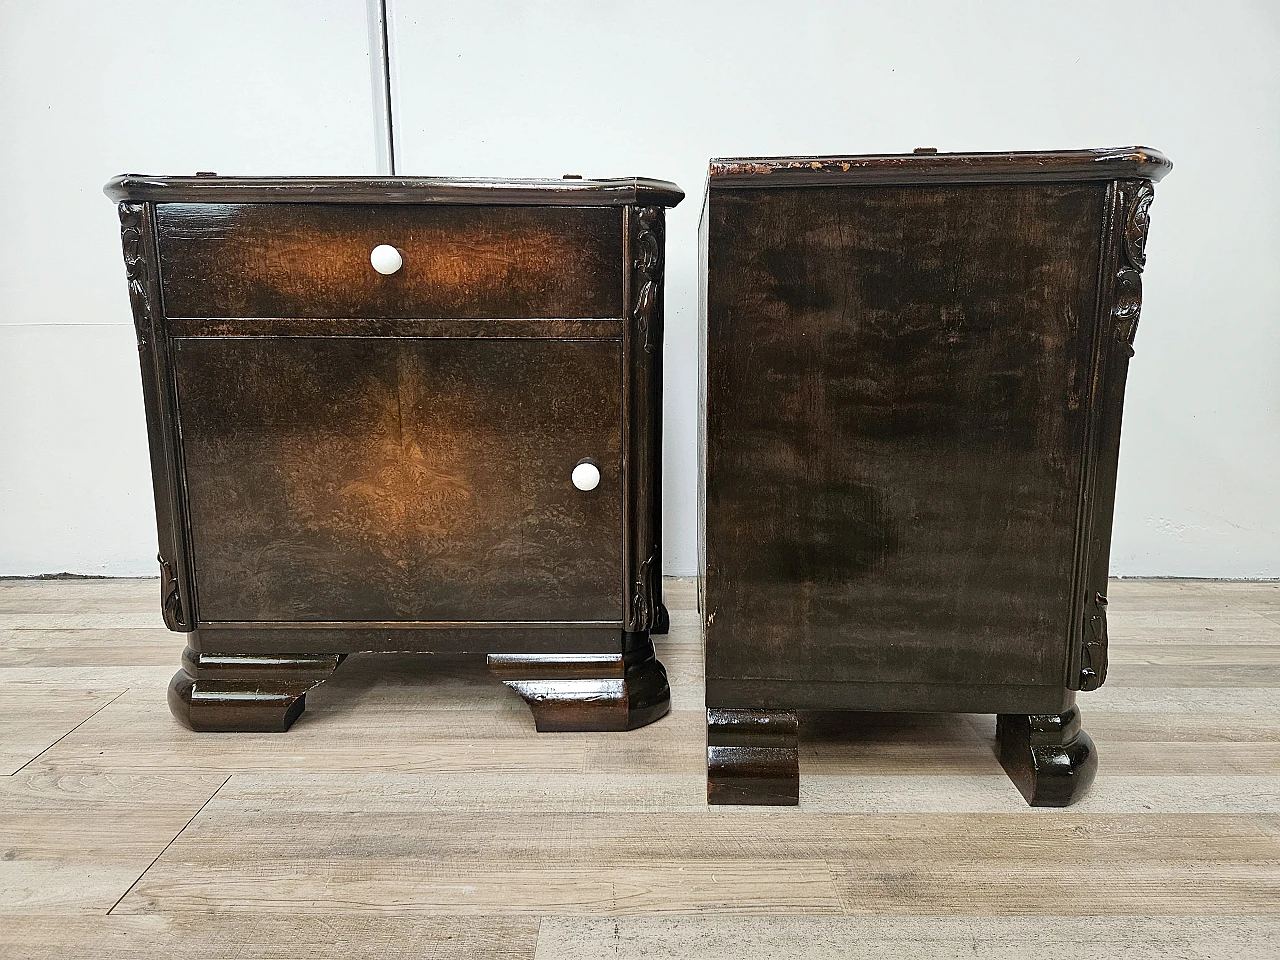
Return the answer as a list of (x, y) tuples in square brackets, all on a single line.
[(386, 259), (586, 476)]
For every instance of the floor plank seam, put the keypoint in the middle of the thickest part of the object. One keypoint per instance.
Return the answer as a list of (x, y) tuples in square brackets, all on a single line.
[(170, 844), (69, 732)]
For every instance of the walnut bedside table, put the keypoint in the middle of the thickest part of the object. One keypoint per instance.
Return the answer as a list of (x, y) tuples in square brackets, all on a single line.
[(404, 414)]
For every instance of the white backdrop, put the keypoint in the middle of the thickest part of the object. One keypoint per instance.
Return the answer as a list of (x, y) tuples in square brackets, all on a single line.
[(654, 89), (89, 89)]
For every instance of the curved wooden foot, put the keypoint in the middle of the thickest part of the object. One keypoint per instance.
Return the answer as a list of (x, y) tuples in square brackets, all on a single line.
[(1048, 757), (753, 756), (240, 694), (661, 620), (588, 692)]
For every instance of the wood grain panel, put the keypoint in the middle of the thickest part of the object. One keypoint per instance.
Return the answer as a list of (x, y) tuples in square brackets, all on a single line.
[(897, 378), (378, 480), (312, 260)]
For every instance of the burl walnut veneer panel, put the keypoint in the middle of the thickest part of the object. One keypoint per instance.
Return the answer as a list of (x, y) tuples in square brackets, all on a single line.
[(423, 465), (404, 414), (311, 260)]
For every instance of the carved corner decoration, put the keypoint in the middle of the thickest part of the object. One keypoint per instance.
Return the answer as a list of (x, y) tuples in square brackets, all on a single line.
[(643, 598), (171, 599), (1128, 294), (135, 264), (1093, 663), (647, 229), (647, 272), (1133, 216)]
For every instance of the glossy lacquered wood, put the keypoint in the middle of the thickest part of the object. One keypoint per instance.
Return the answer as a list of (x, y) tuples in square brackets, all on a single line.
[(914, 374), (459, 261), (438, 471), (358, 459), (568, 191)]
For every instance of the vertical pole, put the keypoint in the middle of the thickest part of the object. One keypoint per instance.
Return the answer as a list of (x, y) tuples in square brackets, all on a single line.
[(380, 76)]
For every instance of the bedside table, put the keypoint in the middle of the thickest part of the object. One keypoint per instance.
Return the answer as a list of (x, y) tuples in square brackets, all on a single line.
[(914, 369), (404, 414)]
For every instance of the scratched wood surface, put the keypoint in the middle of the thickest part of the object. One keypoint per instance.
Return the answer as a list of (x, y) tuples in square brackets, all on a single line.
[(413, 812), (887, 433)]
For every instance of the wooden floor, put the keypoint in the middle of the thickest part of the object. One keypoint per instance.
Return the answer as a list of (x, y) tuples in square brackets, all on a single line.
[(413, 812)]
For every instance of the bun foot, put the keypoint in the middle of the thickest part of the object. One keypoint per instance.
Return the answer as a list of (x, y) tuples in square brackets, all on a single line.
[(753, 756), (588, 692), (1047, 756), (240, 694)]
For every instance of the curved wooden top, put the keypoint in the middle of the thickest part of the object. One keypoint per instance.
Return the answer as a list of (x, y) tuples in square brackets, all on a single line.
[(574, 192), (926, 166)]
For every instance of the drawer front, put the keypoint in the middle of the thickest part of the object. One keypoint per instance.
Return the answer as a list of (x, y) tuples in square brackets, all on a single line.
[(314, 260), (415, 480)]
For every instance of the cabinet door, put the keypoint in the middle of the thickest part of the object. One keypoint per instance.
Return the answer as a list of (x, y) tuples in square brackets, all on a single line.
[(379, 479)]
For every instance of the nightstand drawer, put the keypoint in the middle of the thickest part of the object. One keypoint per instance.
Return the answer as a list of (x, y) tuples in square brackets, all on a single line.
[(391, 261)]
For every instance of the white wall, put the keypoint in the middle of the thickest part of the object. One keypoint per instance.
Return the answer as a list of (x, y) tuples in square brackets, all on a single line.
[(88, 89), (656, 88)]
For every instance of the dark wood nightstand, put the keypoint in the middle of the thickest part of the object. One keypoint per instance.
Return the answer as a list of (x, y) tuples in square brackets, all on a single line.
[(404, 414), (914, 372)]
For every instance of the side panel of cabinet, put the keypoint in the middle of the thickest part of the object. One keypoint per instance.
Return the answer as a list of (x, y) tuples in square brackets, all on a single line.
[(370, 479), (897, 385)]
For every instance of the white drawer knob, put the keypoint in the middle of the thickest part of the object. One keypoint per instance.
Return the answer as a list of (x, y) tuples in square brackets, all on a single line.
[(386, 259), (586, 476)]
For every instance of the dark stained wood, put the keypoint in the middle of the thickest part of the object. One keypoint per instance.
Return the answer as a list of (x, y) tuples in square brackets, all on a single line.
[(642, 362), (753, 757), (898, 375), (589, 693), (138, 187), (304, 638), (438, 471), (661, 620), (1110, 163), (913, 379), (460, 261), (1049, 758), (1124, 256), (227, 694), (137, 235), (350, 462)]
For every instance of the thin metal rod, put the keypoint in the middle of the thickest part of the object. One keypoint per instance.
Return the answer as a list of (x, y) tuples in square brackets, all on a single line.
[(379, 39), (383, 23)]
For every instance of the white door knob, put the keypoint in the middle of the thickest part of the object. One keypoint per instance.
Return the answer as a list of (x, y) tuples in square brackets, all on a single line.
[(586, 475), (386, 259)]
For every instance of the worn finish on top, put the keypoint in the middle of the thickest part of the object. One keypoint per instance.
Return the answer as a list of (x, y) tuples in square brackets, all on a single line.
[(932, 167), (138, 187)]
